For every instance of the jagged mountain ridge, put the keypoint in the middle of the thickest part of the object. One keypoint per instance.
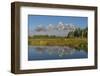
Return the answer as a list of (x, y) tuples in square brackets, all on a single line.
[(60, 29)]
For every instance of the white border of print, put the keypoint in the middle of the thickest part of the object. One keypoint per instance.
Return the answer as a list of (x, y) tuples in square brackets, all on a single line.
[(25, 64)]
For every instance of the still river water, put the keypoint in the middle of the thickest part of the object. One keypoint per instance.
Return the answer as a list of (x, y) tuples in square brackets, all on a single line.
[(55, 52)]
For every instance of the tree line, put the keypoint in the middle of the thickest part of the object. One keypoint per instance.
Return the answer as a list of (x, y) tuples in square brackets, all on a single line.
[(79, 33), (45, 36), (83, 33)]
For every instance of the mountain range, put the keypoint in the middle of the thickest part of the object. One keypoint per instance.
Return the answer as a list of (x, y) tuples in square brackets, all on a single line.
[(60, 29)]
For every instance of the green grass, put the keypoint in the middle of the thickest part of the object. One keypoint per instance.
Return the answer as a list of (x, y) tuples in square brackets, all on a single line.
[(72, 42)]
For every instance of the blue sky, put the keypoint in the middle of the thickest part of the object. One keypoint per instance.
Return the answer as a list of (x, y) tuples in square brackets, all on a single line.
[(44, 20)]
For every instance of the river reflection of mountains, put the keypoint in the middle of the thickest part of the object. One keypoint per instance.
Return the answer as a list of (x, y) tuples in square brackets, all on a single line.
[(58, 50)]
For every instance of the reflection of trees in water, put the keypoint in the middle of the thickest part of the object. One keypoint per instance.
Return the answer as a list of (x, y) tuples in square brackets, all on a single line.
[(40, 50), (55, 50)]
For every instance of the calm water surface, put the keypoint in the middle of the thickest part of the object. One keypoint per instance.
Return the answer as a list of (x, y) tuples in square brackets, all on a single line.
[(55, 52)]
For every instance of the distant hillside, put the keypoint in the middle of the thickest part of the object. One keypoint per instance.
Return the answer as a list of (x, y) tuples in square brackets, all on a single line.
[(61, 29)]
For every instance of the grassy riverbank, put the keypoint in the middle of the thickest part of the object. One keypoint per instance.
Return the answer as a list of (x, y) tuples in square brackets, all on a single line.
[(72, 42)]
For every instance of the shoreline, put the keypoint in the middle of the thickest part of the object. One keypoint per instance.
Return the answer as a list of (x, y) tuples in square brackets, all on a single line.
[(71, 42)]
